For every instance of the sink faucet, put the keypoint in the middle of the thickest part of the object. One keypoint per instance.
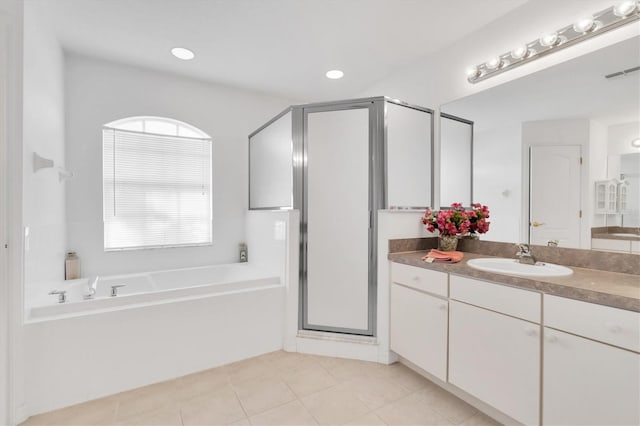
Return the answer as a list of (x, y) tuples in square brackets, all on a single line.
[(524, 255), (92, 284)]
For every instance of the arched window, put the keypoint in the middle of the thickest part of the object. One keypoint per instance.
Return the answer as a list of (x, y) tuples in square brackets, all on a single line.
[(156, 184)]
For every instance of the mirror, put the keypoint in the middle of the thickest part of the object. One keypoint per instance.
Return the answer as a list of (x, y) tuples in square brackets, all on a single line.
[(542, 142)]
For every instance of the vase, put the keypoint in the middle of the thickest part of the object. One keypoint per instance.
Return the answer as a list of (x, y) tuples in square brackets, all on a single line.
[(447, 242)]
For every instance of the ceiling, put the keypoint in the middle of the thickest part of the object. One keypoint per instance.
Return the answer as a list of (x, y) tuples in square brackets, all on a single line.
[(575, 89), (281, 47)]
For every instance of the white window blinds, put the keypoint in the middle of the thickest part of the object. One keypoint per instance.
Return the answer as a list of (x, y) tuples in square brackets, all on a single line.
[(156, 190)]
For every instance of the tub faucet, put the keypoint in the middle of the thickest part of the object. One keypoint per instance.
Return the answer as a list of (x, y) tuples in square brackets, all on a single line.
[(92, 285), (524, 255), (62, 295)]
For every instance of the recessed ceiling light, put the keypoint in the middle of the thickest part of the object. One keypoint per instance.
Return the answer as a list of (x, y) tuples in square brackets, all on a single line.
[(334, 74), (183, 53)]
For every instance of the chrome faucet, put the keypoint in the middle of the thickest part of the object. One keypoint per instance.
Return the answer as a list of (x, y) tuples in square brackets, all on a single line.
[(114, 289), (62, 295), (524, 255), (92, 286)]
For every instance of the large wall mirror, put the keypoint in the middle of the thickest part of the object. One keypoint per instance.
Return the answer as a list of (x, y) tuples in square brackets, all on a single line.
[(550, 148)]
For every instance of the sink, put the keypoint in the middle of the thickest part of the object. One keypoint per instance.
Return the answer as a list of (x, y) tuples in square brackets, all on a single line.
[(513, 267)]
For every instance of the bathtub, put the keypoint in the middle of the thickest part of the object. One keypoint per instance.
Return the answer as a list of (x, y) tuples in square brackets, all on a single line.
[(143, 289)]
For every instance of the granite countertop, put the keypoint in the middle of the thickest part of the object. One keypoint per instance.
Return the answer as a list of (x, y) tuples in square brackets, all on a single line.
[(589, 285), (617, 236)]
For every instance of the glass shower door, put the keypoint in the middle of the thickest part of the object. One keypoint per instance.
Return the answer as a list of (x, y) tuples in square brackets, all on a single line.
[(337, 216)]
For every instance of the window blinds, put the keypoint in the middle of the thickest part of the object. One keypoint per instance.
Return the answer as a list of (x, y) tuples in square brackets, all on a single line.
[(156, 190)]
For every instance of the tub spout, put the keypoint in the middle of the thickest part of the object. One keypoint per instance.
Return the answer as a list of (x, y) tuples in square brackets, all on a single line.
[(92, 285)]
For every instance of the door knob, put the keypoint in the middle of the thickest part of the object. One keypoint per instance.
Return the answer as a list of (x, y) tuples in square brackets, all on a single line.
[(536, 224)]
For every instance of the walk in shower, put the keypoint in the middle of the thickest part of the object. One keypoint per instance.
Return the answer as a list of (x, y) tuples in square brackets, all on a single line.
[(339, 163)]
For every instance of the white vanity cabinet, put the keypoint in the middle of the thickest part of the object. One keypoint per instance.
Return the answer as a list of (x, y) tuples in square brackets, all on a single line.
[(494, 346), (418, 317), (591, 364)]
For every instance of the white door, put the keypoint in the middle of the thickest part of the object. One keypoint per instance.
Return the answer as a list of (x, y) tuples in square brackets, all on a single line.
[(418, 328), (589, 383), (554, 194), (496, 358), (337, 218)]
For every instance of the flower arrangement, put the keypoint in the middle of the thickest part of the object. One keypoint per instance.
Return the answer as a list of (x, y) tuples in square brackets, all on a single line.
[(457, 220)]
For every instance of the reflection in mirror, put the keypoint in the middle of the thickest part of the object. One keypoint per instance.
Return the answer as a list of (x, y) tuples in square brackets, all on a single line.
[(456, 152), (542, 142)]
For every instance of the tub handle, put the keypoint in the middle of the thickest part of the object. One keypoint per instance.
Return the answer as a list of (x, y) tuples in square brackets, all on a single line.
[(114, 289), (62, 295)]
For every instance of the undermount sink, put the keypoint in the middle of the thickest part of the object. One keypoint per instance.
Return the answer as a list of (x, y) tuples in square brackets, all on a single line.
[(514, 267)]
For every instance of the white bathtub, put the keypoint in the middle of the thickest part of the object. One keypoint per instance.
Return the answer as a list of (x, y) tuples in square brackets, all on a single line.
[(143, 289)]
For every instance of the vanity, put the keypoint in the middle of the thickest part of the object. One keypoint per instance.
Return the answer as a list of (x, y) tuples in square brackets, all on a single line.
[(540, 350)]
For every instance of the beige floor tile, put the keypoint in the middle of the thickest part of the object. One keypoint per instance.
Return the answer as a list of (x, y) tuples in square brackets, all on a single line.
[(410, 410), (263, 393), (335, 405), (249, 369), (164, 417), (292, 413), (405, 377), (289, 361), (146, 399), (204, 382), (216, 408), (376, 391), (480, 419), (370, 419), (98, 412), (446, 404), (308, 380), (346, 369)]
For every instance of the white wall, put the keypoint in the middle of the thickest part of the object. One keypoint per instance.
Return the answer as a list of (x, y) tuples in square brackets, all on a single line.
[(597, 169), (99, 92), (619, 139), (44, 133), (499, 187)]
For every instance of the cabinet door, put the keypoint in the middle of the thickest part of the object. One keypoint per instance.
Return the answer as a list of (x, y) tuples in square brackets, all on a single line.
[(496, 358), (589, 383), (419, 329)]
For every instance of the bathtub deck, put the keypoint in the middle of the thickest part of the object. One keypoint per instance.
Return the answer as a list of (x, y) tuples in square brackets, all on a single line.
[(276, 389)]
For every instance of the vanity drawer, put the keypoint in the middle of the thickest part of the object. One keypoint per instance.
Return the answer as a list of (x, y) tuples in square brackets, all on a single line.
[(500, 298), (615, 326), (419, 278)]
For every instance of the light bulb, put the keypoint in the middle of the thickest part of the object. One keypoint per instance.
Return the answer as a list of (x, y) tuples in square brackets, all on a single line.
[(584, 25), (473, 73), (334, 74), (183, 53), (520, 52), (550, 40), (625, 8), (494, 63)]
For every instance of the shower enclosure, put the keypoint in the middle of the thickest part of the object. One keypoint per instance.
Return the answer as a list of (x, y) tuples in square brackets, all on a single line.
[(339, 163)]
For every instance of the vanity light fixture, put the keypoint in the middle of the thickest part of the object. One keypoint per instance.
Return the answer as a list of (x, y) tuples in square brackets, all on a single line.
[(583, 29), (635, 143), (334, 74), (183, 53)]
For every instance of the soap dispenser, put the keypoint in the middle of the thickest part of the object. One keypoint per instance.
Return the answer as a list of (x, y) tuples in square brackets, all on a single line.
[(243, 253)]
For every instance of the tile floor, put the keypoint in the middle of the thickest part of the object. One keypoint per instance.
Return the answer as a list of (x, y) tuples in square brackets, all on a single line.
[(280, 388)]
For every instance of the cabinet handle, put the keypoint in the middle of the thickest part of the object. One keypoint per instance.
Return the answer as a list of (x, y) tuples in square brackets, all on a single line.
[(531, 332), (614, 328), (443, 307)]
